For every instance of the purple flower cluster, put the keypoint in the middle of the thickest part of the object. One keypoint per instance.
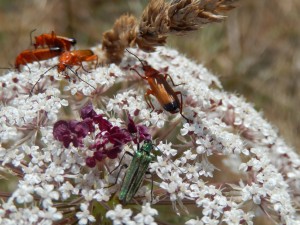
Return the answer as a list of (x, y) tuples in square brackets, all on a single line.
[(109, 139)]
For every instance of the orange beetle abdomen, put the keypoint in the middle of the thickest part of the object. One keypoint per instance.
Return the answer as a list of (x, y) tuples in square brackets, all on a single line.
[(164, 93), (51, 40), (29, 56)]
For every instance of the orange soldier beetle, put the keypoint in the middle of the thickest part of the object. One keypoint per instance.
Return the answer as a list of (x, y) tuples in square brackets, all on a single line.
[(56, 45), (160, 89), (75, 58), (68, 59), (36, 55), (52, 40)]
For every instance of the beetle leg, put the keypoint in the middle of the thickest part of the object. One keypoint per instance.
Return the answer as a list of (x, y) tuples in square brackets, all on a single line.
[(128, 153), (148, 100), (29, 68), (123, 166), (88, 59), (180, 108), (168, 75), (81, 65), (147, 172), (37, 60), (93, 58), (25, 63), (143, 77)]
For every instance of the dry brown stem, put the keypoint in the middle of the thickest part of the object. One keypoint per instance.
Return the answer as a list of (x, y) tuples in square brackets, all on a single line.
[(160, 19)]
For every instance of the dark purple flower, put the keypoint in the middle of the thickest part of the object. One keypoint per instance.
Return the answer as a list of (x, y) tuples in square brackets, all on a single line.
[(60, 129), (70, 132), (87, 111), (116, 135), (90, 162), (90, 124), (98, 146), (114, 151), (103, 124), (99, 155), (140, 131), (99, 142), (81, 129), (131, 126), (109, 140), (62, 132), (143, 133)]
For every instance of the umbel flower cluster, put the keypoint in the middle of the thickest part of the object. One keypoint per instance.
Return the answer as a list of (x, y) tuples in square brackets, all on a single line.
[(61, 149)]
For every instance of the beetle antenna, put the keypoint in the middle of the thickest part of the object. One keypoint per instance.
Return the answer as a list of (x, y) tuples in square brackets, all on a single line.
[(41, 76), (31, 32), (136, 57), (6, 68), (81, 78)]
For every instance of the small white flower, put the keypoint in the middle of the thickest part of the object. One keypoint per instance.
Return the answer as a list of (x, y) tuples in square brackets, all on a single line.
[(253, 192), (162, 167), (14, 156), (210, 221), (166, 149), (214, 207), (235, 216), (146, 216), (66, 189), (119, 215), (84, 216), (47, 193), (32, 214), (189, 155), (9, 206), (54, 172), (194, 222), (186, 129), (102, 195), (50, 213), (206, 168), (88, 194), (24, 193)]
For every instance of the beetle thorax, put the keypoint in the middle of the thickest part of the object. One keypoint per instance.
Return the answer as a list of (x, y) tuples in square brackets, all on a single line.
[(149, 71)]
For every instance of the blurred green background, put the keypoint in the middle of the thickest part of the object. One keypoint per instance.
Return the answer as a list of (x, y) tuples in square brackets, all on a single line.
[(255, 51)]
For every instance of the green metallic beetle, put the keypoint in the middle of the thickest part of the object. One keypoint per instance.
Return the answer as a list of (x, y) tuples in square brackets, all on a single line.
[(136, 171)]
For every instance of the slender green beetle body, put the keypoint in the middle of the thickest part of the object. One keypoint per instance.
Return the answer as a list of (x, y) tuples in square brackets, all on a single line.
[(136, 171)]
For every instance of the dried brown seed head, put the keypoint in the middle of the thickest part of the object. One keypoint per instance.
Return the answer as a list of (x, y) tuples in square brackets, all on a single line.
[(119, 37), (154, 25)]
